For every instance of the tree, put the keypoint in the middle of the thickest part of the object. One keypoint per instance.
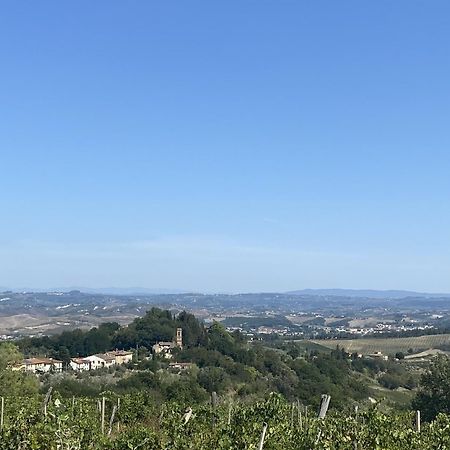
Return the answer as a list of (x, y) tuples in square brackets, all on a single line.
[(194, 332), (14, 382), (213, 379), (434, 389), (219, 339), (9, 355)]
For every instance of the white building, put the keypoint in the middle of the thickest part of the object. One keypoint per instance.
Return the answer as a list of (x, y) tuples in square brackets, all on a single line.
[(121, 356), (42, 365), (165, 348), (101, 360), (80, 364)]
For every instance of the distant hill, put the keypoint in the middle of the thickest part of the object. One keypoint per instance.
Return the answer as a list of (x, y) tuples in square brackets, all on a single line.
[(352, 293), (131, 291), (367, 293), (105, 290)]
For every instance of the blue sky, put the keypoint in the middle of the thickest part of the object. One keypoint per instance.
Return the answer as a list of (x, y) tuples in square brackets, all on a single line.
[(225, 146)]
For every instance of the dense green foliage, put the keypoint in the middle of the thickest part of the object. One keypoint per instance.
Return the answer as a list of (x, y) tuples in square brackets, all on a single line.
[(13, 382), (222, 362), (434, 393), (154, 397), (237, 370), (156, 325), (76, 425)]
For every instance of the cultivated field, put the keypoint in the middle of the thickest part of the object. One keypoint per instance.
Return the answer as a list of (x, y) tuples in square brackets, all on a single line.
[(389, 345)]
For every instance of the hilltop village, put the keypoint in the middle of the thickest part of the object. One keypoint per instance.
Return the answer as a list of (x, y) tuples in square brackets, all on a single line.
[(42, 365)]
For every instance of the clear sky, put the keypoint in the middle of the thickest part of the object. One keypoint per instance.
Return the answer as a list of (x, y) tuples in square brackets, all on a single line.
[(225, 146)]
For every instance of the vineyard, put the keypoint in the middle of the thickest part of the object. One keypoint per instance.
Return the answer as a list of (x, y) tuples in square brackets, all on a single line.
[(135, 422), (388, 345)]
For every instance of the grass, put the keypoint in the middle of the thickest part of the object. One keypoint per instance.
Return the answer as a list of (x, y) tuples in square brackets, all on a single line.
[(312, 346), (397, 399), (388, 346)]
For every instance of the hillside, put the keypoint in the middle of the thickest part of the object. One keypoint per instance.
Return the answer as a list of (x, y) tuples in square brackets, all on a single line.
[(389, 346), (223, 362)]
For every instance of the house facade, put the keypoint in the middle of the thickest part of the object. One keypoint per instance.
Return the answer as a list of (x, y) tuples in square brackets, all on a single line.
[(101, 360), (42, 365), (92, 362), (80, 364), (122, 356)]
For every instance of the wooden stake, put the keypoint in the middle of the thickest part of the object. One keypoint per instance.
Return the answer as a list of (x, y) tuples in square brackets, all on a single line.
[(319, 434), (214, 399), (230, 407), (263, 436), (103, 415), (47, 398), (187, 415), (2, 413), (214, 404), (324, 403), (118, 408), (292, 414), (111, 420), (418, 421), (299, 415)]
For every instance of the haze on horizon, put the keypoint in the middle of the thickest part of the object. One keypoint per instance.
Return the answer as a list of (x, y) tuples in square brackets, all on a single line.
[(230, 147)]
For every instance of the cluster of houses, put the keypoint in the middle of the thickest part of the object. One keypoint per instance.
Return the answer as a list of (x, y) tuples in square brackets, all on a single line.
[(40, 365), (100, 360), (46, 365)]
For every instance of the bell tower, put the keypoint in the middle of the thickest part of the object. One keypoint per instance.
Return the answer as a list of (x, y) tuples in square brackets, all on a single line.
[(179, 339)]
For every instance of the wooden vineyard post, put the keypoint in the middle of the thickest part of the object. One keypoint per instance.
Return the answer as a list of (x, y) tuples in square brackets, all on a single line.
[(263, 436), (214, 405), (299, 416), (418, 421), (103, 415), (214, 399), (47, 398), (324, 403), (230, 408), (2, 413), (118, 407), (111, 420), (355, 442), (292, 414), (187, 415)]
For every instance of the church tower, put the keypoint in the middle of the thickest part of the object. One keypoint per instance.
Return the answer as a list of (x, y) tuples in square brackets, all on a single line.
[(179, 340)]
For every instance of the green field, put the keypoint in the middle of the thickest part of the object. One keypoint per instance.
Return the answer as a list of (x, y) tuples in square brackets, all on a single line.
[(309, 346), (388, 345)]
